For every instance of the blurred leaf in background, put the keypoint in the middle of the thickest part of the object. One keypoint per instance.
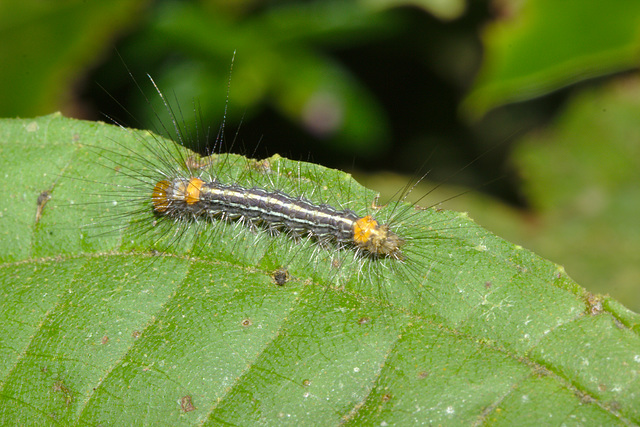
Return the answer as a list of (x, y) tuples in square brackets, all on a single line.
[(376, 84), (542, 45)]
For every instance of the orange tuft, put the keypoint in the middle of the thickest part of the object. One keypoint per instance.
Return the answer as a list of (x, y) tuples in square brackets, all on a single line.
[(159, 197), (363, 228), (192, 194)]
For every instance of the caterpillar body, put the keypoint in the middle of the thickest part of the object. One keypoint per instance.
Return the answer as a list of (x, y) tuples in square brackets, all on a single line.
[(272, 214), (276, 209)]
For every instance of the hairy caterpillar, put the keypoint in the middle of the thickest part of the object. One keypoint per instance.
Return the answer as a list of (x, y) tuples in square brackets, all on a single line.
[(272, 214)]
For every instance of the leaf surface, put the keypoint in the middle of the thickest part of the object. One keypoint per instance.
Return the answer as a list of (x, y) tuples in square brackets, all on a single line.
[(98, 328)]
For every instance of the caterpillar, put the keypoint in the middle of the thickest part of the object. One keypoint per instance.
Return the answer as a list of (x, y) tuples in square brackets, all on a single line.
[(272, 214)]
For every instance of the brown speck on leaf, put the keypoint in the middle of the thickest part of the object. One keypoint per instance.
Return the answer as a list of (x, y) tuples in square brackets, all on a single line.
[(104, 340), (136, 334), (540, 371), (614, 405), (594, 305), (43, 198), (186, 404), (585, 398), (247, 322), (375, 203), (262, 166), (422, 375), (386, 397), (281, 276), (60, 387), (364, 320)]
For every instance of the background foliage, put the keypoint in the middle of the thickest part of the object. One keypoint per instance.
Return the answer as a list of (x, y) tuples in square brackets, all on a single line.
[(377, 85)]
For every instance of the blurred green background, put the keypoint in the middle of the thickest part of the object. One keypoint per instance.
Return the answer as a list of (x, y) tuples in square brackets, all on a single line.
[(543, 95)]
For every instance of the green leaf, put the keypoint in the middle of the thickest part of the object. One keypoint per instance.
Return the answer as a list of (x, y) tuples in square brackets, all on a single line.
[(544, 44), (97, 328)]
